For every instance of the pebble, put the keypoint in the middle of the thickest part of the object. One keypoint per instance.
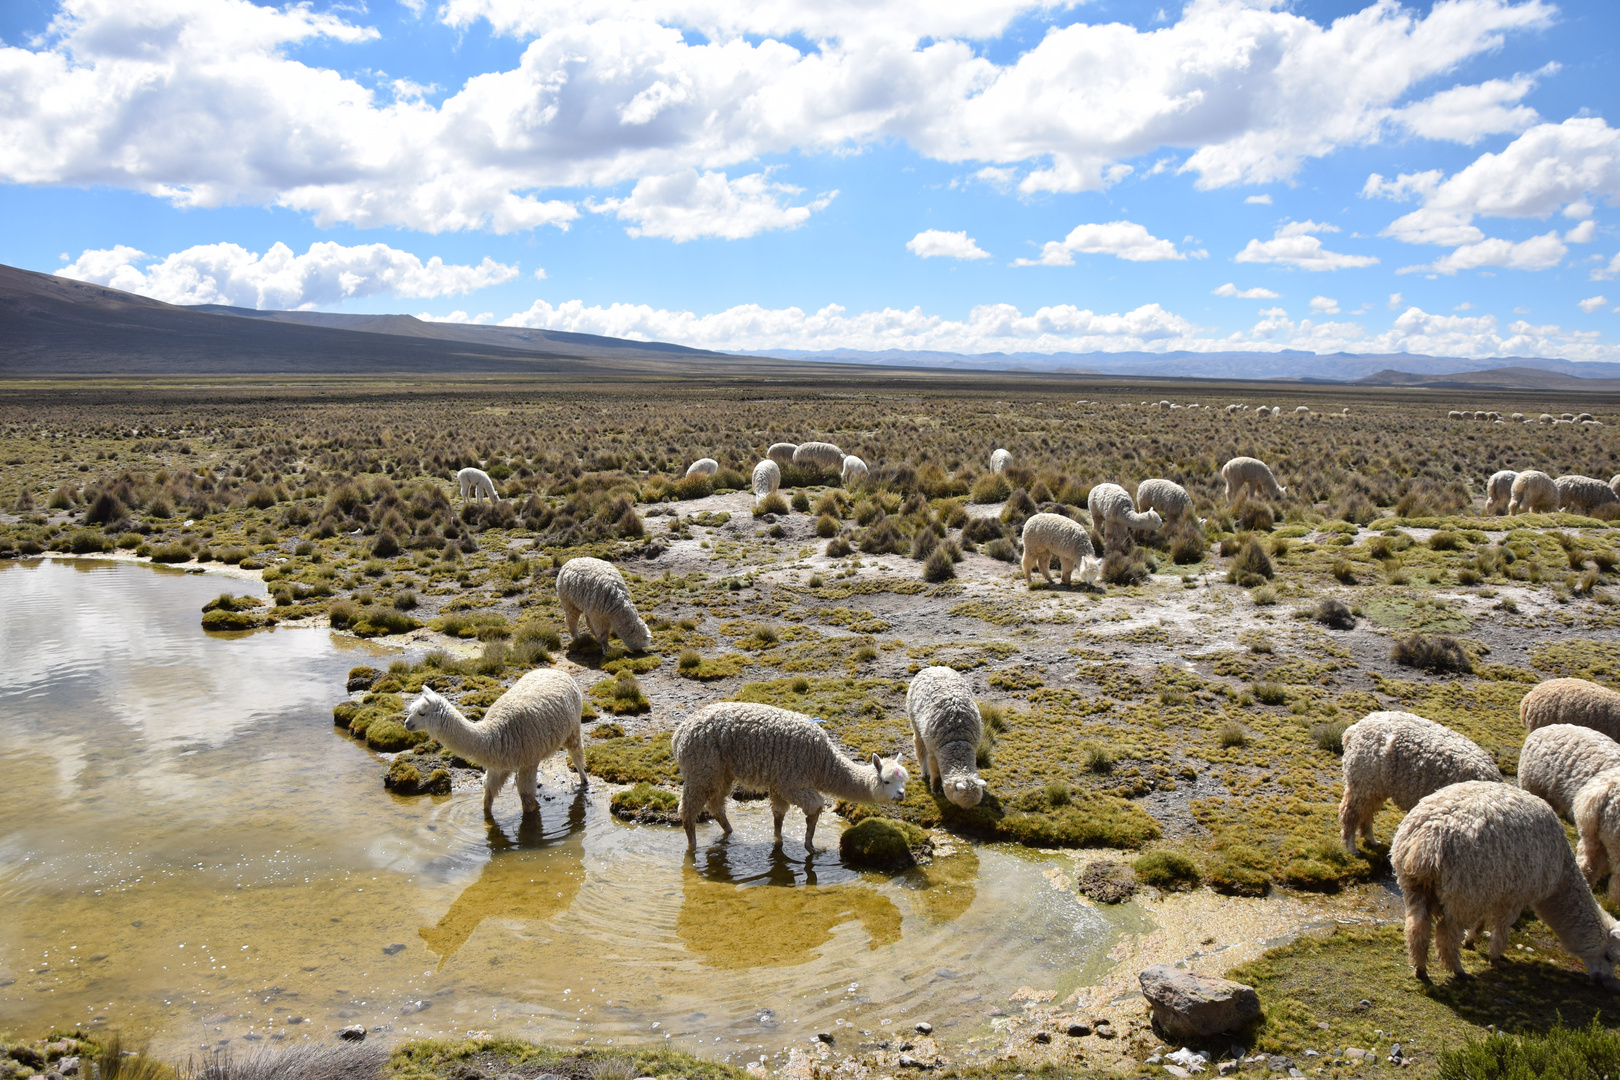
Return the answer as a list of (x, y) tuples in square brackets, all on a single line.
[(1043, 1036), (909, 1062), (352, 1033), (1227, 1068), (825, 1036), (1078, 1030), (1176, 1070), (925, 1028), (1354, 1052)]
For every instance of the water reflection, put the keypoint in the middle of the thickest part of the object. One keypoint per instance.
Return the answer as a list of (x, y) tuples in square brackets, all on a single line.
[(531, 876), (944, 889), (751, 905)]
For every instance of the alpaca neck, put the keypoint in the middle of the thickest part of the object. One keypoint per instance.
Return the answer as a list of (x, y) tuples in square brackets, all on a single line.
[(1574, 915), (846, 779), (456, 733), (960, 758)]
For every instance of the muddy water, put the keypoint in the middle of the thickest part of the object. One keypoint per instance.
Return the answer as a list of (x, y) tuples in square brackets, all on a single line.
[(188, 852)]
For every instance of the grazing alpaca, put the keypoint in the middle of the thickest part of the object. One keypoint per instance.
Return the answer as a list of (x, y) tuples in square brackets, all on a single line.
[(785, 753), (475, 483), (534, 719)]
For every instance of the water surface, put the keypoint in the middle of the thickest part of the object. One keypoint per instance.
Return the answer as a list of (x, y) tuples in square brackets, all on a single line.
[(189, 852)]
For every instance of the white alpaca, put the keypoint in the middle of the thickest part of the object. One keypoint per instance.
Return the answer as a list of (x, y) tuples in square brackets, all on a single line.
[(1113, 513), (945, 732), (596, 589), (767, 478), (1046, 535), (1499, 491), (1252, 474), (782, 452), (999, 460), (476, 483), (854, 471), (822, 455), (1404, 757), (703, 467), (534, 719), (784, 753)]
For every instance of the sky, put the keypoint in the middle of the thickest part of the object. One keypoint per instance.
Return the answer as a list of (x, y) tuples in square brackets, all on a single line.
[(958, 175)]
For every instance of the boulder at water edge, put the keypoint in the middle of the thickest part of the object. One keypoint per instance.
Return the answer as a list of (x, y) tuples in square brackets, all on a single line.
[(1187, 1005)]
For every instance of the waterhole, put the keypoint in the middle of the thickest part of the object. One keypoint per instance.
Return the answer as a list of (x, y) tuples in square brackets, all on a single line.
[(191, 854)]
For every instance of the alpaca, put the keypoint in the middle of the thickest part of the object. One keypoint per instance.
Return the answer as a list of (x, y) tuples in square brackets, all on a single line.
[(945, 732), (596, 589), (476, 483), (535, 718), (785, 753)]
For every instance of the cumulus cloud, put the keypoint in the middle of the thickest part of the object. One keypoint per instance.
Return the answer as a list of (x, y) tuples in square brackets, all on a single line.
[(1537, 253), (1123, 239), (1548, 168), (1467, 114), (1256, 293), (1324, 305), (1293, 245), (1259, 200), (203, 102), (1059, 328), (685, 206), (1592, 303), (935, 243), (987, 328), (1604, 273), (278, 279)]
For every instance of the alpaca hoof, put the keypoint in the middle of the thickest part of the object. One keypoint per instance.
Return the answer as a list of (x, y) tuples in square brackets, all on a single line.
[(1422, 976), (1461, 976)]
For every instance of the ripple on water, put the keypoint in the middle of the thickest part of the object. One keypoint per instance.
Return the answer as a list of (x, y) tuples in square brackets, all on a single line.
[(189, 851)]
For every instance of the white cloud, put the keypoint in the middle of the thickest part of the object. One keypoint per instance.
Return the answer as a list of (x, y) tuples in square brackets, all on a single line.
[(1467, 114), (935, 243), (1259, 200), (1292, 245), (1256, 293), (1537, 253), (1394, 300), (1324, 305), (1060, 328), (1604, 273), (686, 206), (1123, 239), (202, 102), (327, 274), (988, 327), (1549, 167), (1592, 303), (1584, 233)]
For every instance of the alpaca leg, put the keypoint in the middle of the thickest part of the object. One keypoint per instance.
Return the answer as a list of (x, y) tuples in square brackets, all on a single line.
[(779, 809), (936, 775), (571, 617), (1593, 859), (717, 807), (921, 751), (494, 780), (1447, 945), (527, 783), (576, 754), (1419, 930), (1356, 813), (692, 802), (808, 800), (1500, 925), (1065, 568), (1028, 563)]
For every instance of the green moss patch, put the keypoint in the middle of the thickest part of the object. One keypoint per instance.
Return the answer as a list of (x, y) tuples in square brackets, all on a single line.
[(451, 1059), (633, 759), (647, 805), (404, 778), (1581, 658), (882, 844)]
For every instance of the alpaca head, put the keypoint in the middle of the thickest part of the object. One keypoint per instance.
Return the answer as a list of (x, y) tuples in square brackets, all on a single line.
[(1091, 570), (892, 777), (1152, 520), (1601, 965), (1281, 491), (964, 791), (428, 704), (632, 630)]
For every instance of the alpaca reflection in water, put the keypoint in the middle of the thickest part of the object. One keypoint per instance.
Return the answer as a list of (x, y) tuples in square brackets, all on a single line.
[(751, 906), (529, 878)]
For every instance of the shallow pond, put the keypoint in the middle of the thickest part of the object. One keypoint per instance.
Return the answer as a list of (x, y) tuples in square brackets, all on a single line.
[(190, 853)]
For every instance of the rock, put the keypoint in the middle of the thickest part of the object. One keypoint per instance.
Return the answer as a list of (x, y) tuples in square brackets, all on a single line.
[(1188, 1059), (1227, 1068), (1108, 882), (1363, 1004), (1279, 1064), (883, 844), (1177, 1070), (1187, 1006), (1354, 1053), (909, 1062), (1154, 1060), (1043, 1036), (396, 947), (1078, 1030), (1105, 1030), (352, 1033), (68, 1066), (825, 1036)]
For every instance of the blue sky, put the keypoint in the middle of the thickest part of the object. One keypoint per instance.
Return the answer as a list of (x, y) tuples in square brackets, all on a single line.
[(991, 176)]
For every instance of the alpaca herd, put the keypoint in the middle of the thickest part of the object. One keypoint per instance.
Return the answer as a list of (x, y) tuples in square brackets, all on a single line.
[(1473, 852)]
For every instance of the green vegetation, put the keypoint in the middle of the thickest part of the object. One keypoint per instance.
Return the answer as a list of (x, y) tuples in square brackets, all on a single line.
[(881, 843), (633, 759)]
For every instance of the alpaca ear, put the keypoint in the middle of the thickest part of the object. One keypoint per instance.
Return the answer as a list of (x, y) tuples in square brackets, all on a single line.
[(877, 763)]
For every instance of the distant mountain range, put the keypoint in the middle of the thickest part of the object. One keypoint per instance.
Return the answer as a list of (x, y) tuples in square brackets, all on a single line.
[(1382, 369), (52, 326)]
